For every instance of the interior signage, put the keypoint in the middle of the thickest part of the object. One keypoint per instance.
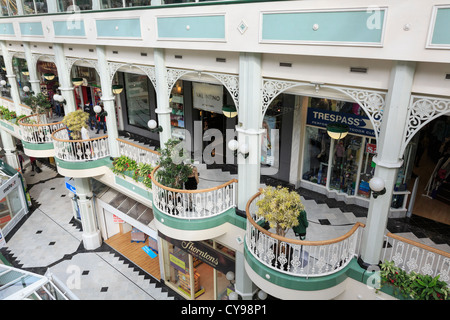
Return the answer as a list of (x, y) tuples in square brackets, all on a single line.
[(8, 186), (357, 124), (208, 97), (215, 258)]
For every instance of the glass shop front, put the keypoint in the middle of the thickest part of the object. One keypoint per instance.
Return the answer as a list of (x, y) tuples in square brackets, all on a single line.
[(198, 270)]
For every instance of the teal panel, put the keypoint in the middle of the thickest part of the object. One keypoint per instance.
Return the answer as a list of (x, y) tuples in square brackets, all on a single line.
[(143, 192), (38, 146), (123, 28), (336, 26), (31, 29), (6, 29), (441, 30), (193, 27), (69, 28)]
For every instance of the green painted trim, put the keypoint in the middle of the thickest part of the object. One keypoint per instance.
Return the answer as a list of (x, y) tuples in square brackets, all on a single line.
[(143, 192), (37, 146), (229, 216), (441, 34), (7, 125), (301, 283), (83, 165)]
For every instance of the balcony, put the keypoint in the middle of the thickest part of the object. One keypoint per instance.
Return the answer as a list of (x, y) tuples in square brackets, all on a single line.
[(193, 214), (36, 135), (80, 158), (295, 269)]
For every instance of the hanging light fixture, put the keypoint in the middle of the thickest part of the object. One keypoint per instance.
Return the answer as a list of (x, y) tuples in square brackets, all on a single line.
[(337, 130), (49, 76), (25, 72), (117, 89), (77, 81), (229, 111)]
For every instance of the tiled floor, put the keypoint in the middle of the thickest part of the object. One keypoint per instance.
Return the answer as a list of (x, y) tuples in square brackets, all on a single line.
[(49, 240)]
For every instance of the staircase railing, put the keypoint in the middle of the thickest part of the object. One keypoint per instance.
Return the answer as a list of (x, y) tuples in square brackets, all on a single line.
[(138, 153)]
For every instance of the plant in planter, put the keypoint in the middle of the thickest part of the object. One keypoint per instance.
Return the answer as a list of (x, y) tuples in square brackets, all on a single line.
[(140, 171), (122, 164), (74, 121), (38, 103), (173, 170), (413, 285), (280, 208)]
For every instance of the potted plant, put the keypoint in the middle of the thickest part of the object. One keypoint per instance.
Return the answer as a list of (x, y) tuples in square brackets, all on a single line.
[(280, 208), (173, 170), (38, 103), (74, 121)]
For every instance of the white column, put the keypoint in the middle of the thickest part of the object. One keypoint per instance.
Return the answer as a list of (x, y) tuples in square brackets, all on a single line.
[(91, 233), (34, 79), (7, 58), (243, 285), (10, 150), (64, 78), (108, 100), (162, 97), (388, 159), (250, 125)]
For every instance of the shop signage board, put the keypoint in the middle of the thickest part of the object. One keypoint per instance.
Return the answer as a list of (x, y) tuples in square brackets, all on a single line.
[(215, 258), (69, 185), (208, 97), (8, 186), (358, 124), (117, 219)]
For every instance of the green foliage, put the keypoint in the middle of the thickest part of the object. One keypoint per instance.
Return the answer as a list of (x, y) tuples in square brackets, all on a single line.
[(6, 114), (75, 121), (280, 207), (413, 285), (139, 171), (173, 170), (38, 103)]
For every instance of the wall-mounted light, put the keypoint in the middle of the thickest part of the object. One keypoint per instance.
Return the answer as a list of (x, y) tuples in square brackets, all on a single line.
[(77, 81), (243, 149), (26, 89), (229, 111), (49, 76), (337, 130), (2, 83), (153, 125), (117, 89), (59, 98), (25, 72), (3, 68), (377, 186), (97, 109)]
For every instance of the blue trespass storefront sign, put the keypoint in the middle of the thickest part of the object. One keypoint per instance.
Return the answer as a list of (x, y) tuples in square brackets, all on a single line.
[(357, 124)]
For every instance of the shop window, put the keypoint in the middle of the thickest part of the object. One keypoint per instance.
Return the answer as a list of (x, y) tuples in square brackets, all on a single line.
[(35, 6), (177, 106), (345, 164), (74, 5), (315, 159), (367, 167), (9, 7), (137, 99), (9, 207)]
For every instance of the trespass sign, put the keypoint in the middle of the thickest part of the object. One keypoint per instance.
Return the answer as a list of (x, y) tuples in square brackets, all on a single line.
[(357, 124)]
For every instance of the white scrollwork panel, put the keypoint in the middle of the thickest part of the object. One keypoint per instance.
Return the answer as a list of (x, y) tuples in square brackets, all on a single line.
[(422, 110), (148, 70)]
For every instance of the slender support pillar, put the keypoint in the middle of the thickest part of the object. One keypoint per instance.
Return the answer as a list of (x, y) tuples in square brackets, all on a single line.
[(108, 100), (10, 150), (34, 80), (250, 126), (243, 285), (64, 78), (91, 233), (7, 57), (162, 97), (388, 159)]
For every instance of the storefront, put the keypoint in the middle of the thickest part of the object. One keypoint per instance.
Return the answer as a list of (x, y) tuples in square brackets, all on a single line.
[(13, 204), (20, 68), (89, 91), (198, 270), (126, 225), (343, 166)]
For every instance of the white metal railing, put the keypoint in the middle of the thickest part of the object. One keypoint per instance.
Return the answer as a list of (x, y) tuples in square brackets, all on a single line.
[(138, 153), (411, 256), (298, 257), (35, 129), (79, 150), (194, 204)]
